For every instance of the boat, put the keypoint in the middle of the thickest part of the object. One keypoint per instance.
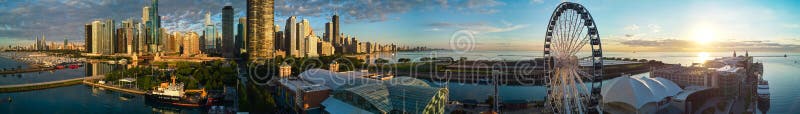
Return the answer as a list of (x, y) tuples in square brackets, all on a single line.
[(173, 94), (73, 66), (60, 67), (763, 96)]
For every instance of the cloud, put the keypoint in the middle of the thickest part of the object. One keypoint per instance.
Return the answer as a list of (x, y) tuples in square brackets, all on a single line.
[(676, 44), (654, 28), (378, 10), (22, 19), (632, 27), (479, 27), (433, 29), (537, 1)]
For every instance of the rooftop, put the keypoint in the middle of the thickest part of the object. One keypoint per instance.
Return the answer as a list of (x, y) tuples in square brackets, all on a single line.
[(637, 92), (297, 85)]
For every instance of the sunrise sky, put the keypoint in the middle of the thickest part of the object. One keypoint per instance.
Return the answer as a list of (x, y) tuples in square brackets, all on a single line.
[(673, 25)]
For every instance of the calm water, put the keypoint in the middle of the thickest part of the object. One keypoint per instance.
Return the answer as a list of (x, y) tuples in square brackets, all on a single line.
[(76, 98), (782, 73), (42, 76)]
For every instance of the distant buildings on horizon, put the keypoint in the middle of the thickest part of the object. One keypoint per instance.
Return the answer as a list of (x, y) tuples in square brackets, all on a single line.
[(256, 37)]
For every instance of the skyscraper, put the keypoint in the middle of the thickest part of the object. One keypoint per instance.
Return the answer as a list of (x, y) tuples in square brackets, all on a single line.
[(241, 41), (174, 42), (108, 35), (145, 14), (128, 36), (325, 48), (119, 41), (279, 39), (335, 30), (301, 39), (210, 33), (154, 24), (292, 36), (141, 38), (191, 44), (260, 14), (328, 37), (97, 40), (88, 34), (227, 33), (309, 44), (202, 41)]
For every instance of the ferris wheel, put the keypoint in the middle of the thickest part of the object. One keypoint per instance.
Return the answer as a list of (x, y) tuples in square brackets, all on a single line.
[(569, 30)]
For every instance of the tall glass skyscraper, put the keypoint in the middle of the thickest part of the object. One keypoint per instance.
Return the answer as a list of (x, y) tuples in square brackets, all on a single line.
[(154, 26), (210, 33)]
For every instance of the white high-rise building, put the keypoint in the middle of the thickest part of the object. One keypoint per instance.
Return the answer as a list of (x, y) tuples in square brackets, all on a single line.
[(97, 29), (292, 35), (310, 40)]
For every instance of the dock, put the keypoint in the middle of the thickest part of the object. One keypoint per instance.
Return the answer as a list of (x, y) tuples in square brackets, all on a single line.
[(61, 83), (87, 82)]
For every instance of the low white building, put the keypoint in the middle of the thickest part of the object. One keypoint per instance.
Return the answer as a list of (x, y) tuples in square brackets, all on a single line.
[(641, 95)]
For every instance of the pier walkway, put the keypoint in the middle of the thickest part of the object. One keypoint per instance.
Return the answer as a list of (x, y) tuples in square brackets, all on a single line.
[(45, 85), (90, 83)]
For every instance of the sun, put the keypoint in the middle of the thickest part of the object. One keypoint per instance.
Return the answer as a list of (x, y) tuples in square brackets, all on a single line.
[(703, 35)]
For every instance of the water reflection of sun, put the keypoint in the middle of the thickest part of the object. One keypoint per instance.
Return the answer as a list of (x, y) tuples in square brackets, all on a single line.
[(702, 57)]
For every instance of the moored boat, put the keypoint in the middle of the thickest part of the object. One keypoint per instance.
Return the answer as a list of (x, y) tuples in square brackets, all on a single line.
[(173, 94)]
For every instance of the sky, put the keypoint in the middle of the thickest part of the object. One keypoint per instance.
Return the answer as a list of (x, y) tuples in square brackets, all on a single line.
[(674, 25)]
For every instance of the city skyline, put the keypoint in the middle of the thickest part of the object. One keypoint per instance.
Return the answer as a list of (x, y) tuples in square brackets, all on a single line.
[(514, 25), (497, 25), (399, 56)]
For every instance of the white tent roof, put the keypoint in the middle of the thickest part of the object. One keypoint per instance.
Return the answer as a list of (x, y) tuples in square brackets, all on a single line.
[(638, 91)]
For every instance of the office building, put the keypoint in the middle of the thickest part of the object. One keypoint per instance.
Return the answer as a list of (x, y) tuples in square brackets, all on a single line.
[(240, 43), (326, 48), (291, 34), (328, 36), (191, 44), (154, 26), (336, 33), (88, 40), (280, 40), (210, 33), (228, 46)]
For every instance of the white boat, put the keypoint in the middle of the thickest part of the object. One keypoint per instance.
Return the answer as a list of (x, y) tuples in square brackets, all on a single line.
[(763, 89)]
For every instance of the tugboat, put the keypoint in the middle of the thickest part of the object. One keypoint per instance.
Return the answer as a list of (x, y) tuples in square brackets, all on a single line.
[(173, 94)]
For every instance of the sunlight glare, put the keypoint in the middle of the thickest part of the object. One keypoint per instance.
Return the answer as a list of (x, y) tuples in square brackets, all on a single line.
[(702, 57), (703, 35)]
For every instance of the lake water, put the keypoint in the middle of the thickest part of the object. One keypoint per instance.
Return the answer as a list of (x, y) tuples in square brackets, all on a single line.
[(782, 73), (75, 98)]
